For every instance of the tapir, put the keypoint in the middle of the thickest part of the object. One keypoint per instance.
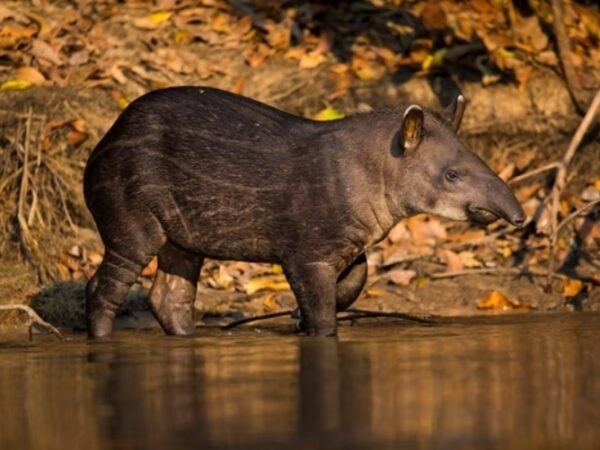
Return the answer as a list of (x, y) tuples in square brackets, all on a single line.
[(188, 173)]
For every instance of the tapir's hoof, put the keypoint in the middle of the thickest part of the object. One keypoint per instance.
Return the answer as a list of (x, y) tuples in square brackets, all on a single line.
[(186, 331), (298, 322), (100, 326)]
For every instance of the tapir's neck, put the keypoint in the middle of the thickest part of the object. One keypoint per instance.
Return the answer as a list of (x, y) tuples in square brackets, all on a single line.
[(364, 157)]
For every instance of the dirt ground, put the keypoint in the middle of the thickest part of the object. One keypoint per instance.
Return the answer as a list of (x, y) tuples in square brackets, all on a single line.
[(426, 266)]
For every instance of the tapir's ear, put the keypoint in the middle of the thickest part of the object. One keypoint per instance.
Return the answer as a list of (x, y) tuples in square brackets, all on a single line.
[(411, 131), (454, 112)]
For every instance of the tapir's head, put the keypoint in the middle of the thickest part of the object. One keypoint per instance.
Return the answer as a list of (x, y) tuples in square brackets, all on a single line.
[(442, 177)]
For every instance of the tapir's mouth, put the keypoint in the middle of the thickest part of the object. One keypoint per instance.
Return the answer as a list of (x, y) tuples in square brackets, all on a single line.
[(482, 215)]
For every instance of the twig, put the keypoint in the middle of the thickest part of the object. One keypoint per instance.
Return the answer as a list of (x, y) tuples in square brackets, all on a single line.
[(534, 172), (497, 271), (359, 313), (353, 314), (246, 320), (571, 216), (283, 95), (34, 319), (564, 51)]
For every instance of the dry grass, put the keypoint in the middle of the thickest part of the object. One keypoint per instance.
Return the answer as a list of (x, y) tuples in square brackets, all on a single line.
[(39, 189)]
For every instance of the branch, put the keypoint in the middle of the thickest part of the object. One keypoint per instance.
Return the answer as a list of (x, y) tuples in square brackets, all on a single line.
[(561, 175), (571, 216), (34, 319), (564, 51), (496, 271), (534, 172)]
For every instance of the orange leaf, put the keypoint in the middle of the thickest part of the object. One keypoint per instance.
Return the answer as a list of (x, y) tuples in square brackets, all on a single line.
[(242, 26), (78, 125), (238, 87), (572, 287), (151, 268), (494, 300), (30, 74), (221, 23), (311, 60), (74, 138)]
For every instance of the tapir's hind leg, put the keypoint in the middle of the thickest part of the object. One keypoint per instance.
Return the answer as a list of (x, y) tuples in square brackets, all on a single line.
[(107, 290), (174, 290)]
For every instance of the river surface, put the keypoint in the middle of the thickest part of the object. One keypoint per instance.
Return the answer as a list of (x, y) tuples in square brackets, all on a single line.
[(510, 382)]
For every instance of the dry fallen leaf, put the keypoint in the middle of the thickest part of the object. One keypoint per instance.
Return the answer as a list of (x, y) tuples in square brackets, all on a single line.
[(151, 268), (278, 35), (44, 52), (256, 56), (94, 257), (221, 23), (453, 261), (366, 70), (10, 35), (270, 303), (152, 21), (426, 230), (506, 173), (74, 138), (242, 26), (15, 85), (238, 86), (401, 277), (421, 282), (120, 98), (220, 279), (311, 60), (30, 74), (374, 292), (469, 236), (572, 287), (79, 125), (328, 113), (498, 301), (273, 283), (469, 259)]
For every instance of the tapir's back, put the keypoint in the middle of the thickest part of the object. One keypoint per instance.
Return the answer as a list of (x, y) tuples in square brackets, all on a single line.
[(197, 159), (201, 120)]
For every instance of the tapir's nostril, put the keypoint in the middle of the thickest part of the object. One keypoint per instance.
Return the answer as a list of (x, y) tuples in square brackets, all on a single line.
[(518, 220)]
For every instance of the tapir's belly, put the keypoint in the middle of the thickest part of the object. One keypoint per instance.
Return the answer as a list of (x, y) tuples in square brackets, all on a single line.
[(223, 222)]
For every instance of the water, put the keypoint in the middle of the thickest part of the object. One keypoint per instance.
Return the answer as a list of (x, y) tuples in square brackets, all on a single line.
[(518, 382)]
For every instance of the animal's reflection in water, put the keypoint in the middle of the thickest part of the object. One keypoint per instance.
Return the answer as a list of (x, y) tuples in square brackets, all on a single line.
[(324, 390), (517, 382)]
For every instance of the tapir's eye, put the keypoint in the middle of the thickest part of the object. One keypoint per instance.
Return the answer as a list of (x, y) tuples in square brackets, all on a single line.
[(451, 176)]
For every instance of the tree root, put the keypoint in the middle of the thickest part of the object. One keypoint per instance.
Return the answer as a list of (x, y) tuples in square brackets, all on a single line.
[(34, 320)]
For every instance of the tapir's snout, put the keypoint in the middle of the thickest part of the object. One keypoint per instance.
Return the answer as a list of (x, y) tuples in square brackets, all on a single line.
[(497, 202)]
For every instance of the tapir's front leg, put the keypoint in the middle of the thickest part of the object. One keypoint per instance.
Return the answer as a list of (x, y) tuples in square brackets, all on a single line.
[(314, 285)]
